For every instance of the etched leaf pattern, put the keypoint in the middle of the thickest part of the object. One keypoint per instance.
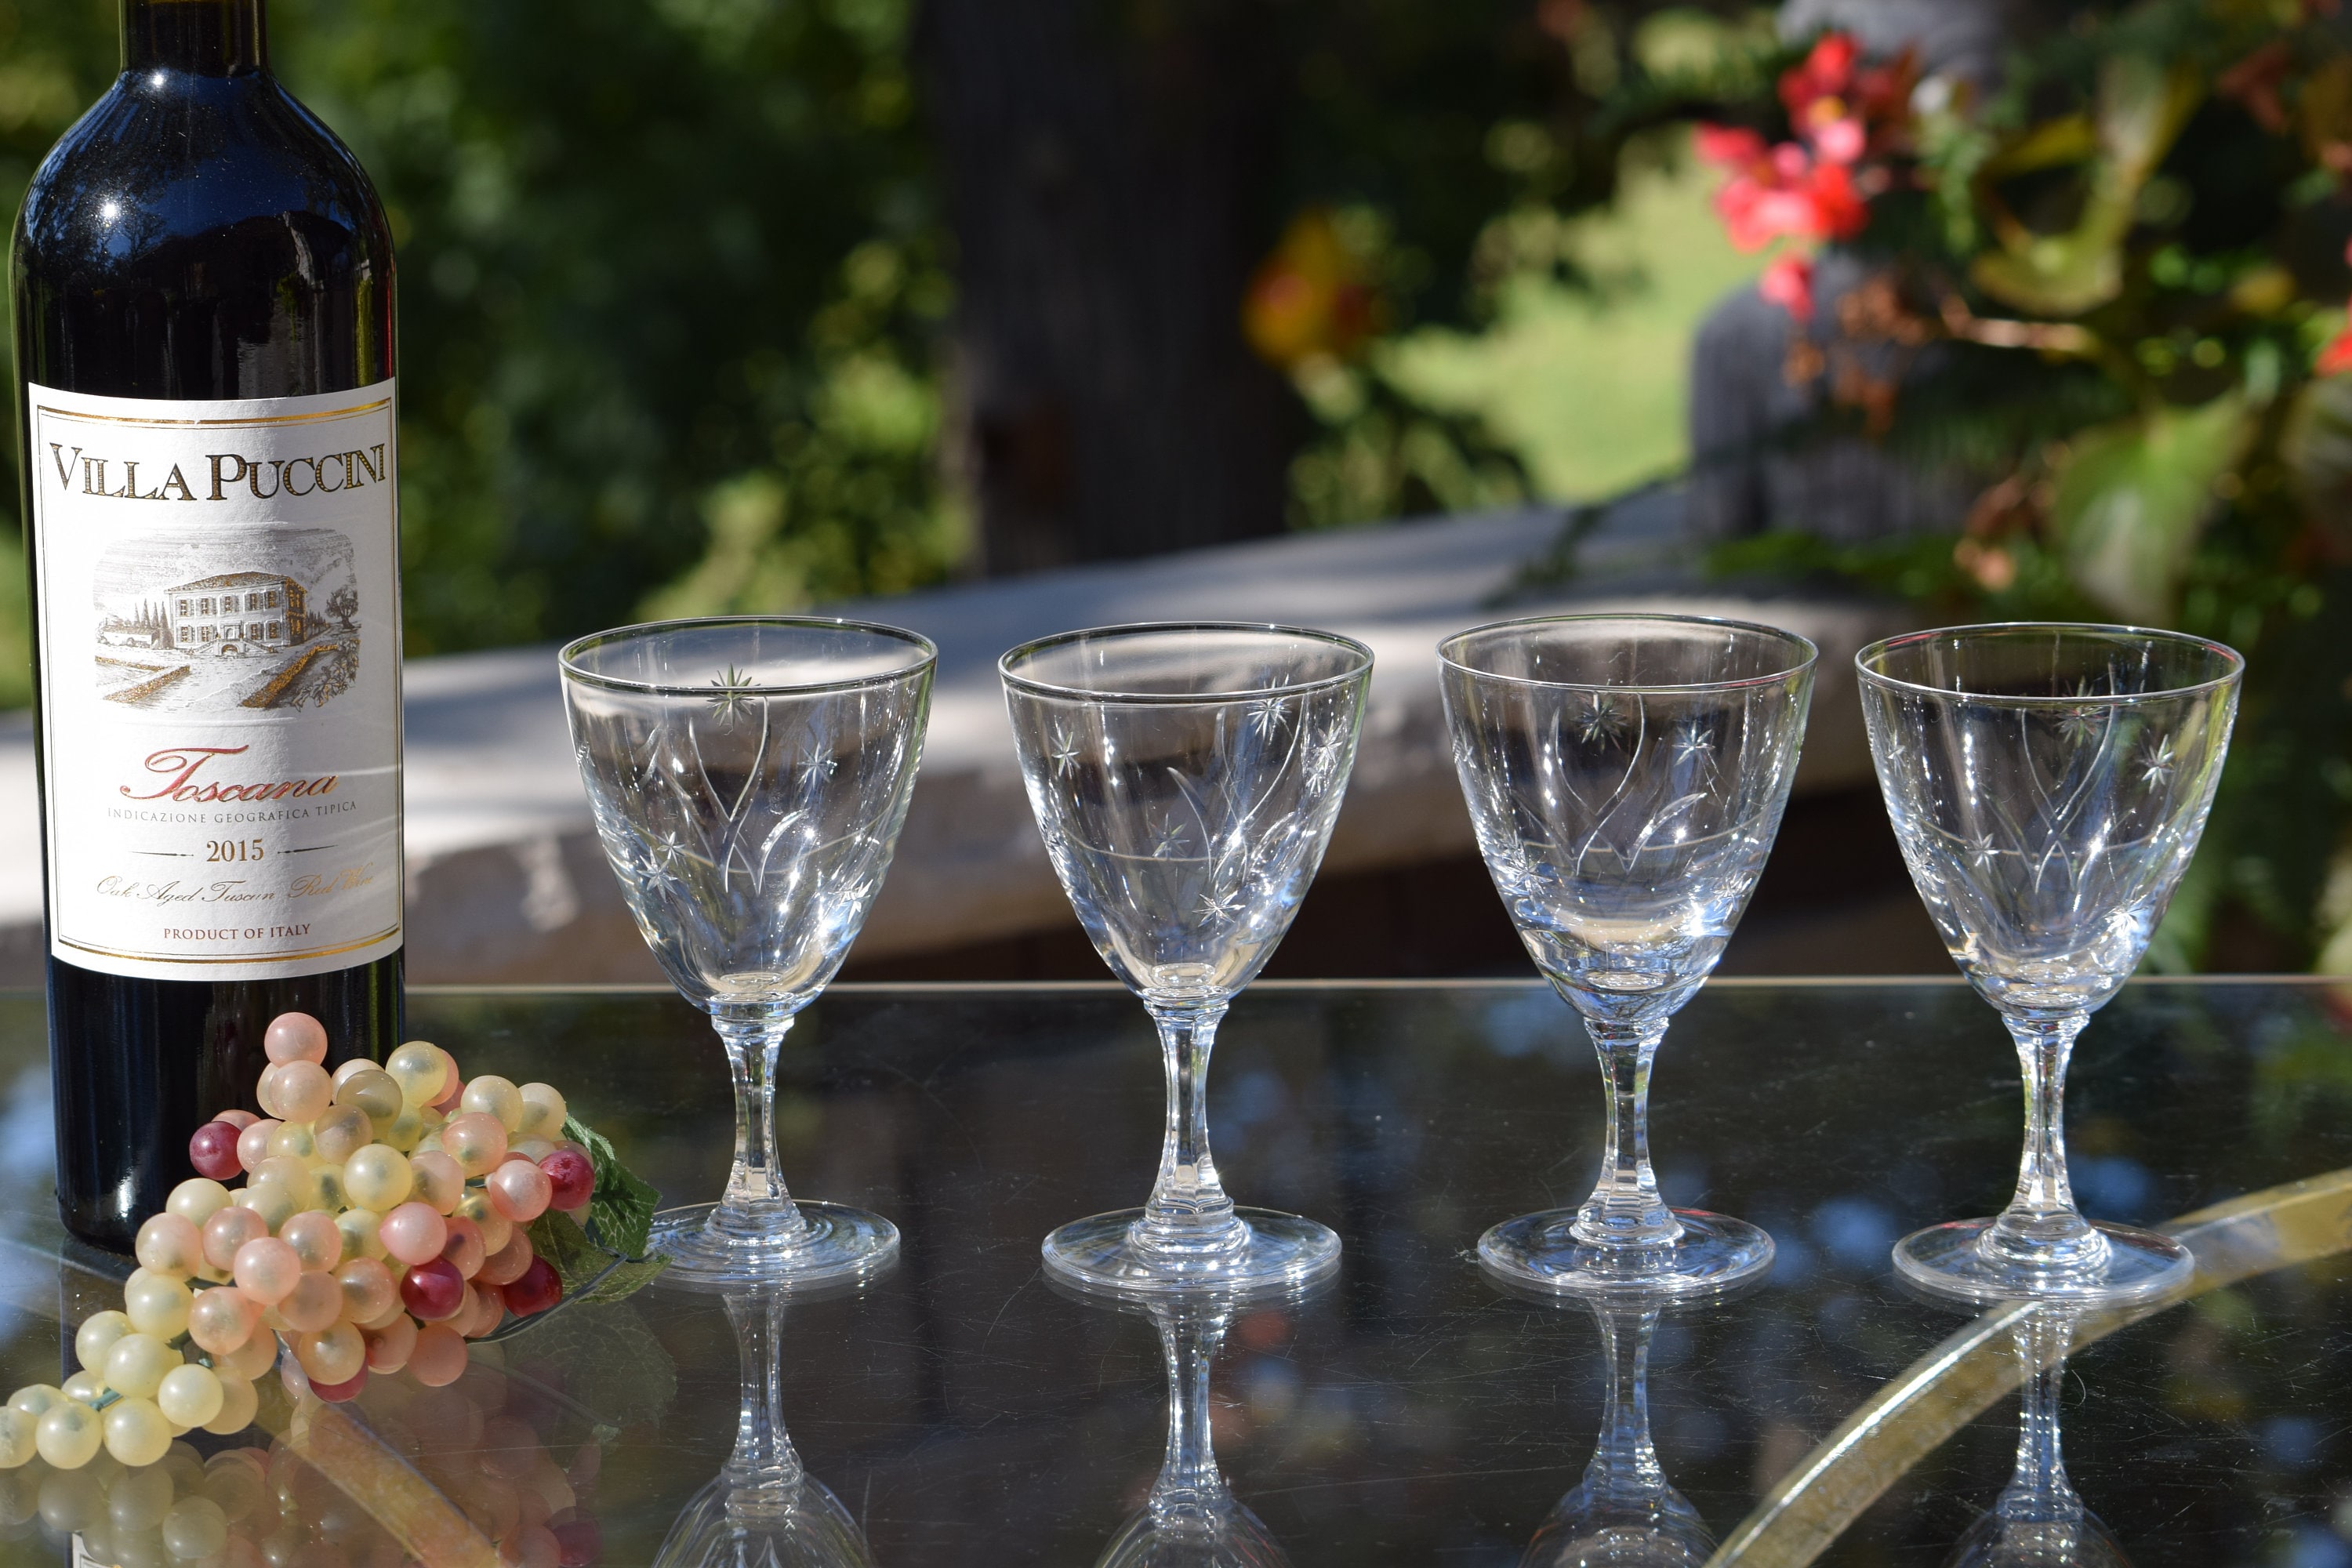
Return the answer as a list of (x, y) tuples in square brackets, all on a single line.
[(750, 831)]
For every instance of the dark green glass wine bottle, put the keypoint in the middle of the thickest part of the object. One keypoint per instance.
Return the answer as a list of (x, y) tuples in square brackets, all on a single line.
[(203, 329)]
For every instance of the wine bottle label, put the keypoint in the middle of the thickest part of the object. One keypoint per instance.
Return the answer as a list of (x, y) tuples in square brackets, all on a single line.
[(218, 600)]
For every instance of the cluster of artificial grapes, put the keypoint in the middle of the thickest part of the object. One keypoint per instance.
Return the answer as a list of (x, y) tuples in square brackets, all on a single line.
[(252, 1507), (381, 1227)]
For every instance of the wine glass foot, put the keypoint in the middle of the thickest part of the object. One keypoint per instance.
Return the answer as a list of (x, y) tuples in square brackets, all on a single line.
[(1946, 1260), (835, 1242), (1713, 1253), (1101, 1254)]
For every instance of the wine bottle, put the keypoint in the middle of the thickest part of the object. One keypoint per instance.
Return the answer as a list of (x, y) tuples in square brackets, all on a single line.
[(204, 334)]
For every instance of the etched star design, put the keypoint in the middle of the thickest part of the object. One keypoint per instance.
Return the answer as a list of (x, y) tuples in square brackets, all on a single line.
[(1269, 718), (1167, 838), (2078, 726), (1062, 751), (1219, 903), (1693, 742), (1980, 851), (1598, 720), (732, 698), (2156, 765)]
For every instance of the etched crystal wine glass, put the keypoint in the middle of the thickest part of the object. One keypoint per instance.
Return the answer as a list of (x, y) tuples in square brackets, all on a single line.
[(2047, 783), (749, 777), (1185, 779), (1626, 774)]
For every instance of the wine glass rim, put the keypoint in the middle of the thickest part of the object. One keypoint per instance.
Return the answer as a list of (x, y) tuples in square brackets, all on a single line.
[(2233, 661), (566, 657), (1362, 662), (1812, 652)]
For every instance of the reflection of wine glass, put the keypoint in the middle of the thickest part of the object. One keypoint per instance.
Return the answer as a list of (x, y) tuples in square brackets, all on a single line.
[(749, 778), (2047, 784), (1185, 779), (763, 1509), (1192, 1518), (1625, 776), (2039, 1520), (1623, 1513)]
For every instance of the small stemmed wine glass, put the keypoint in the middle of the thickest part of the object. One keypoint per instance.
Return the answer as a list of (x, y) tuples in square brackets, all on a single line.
[(749, 778), (1626, 774), (2047, 783), (2039, 1520), (1185, 779)]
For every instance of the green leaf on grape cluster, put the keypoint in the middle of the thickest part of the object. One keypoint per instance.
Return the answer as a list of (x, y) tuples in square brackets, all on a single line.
[(621, 1215)]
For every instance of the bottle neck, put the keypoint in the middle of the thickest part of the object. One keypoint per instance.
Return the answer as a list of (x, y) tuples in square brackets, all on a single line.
[(202, 38)]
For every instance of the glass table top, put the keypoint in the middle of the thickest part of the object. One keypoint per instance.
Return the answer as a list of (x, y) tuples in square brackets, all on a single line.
[(961, 1410)]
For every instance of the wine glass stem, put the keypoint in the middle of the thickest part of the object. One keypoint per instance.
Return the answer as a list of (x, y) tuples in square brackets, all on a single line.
[(1625, 1209), (756, 1205), (2042, 1225), (1188, 1211), (1188, 1475), (763, 1457)]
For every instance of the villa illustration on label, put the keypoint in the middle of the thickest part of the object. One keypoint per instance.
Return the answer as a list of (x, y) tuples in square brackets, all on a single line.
[(267, 618)]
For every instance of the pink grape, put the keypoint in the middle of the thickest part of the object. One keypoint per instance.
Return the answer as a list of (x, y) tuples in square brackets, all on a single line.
[(572, 1176), (414, 1234), (390, 1347), (240, 1120), (438, 1358), (464, 1250), (335, 1354), (297, 1091), (253, 1143), (212, 1151), (222, 1319), (314, 1237), (169, 1244), (535, 1291), (368, 1289), (296, 1037), (434, 1292), (521, 1191), (267, 1269), (477, 1140), (229, 1229), (581, 1542), (313, 1305), (505, 1266)]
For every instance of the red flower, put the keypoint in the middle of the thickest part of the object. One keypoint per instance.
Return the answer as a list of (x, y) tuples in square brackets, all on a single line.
[(1779, 191), (1827, 72), (1836, 108), (1787, 282), (2336, 357)]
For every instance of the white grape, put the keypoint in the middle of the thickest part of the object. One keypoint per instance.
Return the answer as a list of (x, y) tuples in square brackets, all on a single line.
[(273, 1203), (69, 1434), (491, 1095), (88, 1386), (156, 1304), (97, 1336), (239, 1405), (36, 1398), (358, 1228), (378, 1177), (16, 1432), (197, 1200), (544, 1113), (189, 1395), (137, 1433), (137, 1364)]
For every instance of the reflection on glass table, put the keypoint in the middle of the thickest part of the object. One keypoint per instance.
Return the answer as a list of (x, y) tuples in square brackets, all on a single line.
[(1191, 1519), (763, 1509), (962, 1412), (1623, 1513), (2039, 1520)]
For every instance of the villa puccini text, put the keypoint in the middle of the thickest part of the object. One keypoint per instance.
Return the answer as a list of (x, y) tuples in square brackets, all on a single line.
[(220, 682)]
